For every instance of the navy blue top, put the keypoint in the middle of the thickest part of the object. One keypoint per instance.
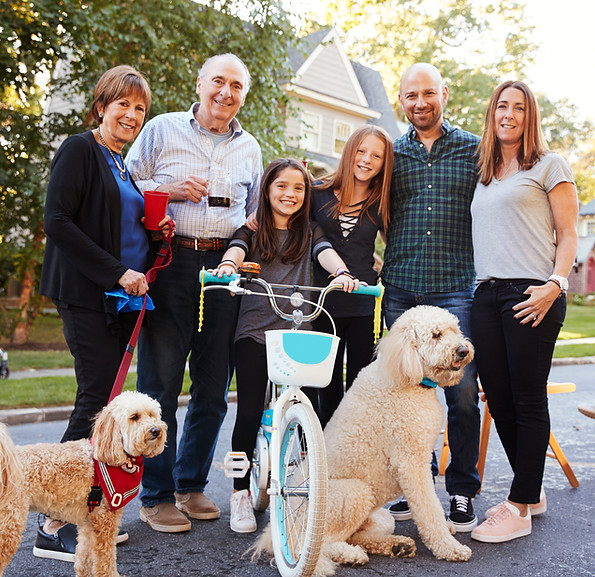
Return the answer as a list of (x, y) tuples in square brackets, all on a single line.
[(134, 247)]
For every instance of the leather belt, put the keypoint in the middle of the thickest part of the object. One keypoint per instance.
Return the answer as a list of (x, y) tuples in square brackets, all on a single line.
[(206, 244)]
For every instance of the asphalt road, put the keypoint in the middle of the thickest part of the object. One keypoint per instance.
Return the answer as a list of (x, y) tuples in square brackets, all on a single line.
[(562, 543)]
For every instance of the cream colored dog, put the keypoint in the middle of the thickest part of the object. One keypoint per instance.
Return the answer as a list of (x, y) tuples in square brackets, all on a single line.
[(379, 445), (56, 479)]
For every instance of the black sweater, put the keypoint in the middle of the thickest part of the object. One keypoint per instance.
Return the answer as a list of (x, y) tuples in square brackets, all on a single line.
[(83, 227)]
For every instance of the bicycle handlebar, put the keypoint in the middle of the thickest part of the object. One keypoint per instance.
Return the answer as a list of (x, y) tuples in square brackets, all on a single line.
[(205, 276)]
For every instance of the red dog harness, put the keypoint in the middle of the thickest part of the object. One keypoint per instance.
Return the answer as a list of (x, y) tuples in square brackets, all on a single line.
[(119, 484)]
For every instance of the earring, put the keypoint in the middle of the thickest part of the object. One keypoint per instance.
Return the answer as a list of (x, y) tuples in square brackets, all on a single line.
[(101, 117)]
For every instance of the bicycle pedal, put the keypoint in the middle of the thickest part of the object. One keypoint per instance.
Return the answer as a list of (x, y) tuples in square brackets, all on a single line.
[(235, 464)]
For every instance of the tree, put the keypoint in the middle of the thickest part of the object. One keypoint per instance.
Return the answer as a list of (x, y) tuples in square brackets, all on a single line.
[(475, 44), (167, 40)]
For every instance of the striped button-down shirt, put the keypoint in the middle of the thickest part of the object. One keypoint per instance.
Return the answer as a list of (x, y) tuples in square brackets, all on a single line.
[(429, 247), (172, 147)]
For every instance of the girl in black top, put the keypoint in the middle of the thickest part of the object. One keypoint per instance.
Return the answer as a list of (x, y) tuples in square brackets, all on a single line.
[(352, 206)]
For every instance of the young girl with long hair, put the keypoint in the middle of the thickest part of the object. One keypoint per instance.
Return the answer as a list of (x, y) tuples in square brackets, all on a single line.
[(285, 245), (352, 205)]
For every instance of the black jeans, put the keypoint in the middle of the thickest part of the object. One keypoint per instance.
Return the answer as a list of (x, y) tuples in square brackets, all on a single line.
[(357, 336), (97, 352), (513, 362)]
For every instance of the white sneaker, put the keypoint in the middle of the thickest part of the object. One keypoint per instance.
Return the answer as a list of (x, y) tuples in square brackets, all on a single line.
[(242, 518)]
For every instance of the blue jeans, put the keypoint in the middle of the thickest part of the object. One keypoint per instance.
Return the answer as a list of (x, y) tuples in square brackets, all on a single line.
[(514, 362), (462, 477), (170, 335)]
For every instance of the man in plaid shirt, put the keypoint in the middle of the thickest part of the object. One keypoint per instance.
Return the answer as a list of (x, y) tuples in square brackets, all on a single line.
[(429, 257)]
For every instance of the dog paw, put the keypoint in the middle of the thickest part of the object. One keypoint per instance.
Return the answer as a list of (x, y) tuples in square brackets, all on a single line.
[(404, 548), (460, 553)]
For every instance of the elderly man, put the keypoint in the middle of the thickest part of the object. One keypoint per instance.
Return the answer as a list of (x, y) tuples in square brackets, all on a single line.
[(178, 153), (429, 257)]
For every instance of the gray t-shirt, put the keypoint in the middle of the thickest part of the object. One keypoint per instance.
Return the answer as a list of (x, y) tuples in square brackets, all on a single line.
[(256, 315), (512, 222)]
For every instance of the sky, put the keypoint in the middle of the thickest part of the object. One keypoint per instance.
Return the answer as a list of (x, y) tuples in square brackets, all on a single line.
[(564, 65)]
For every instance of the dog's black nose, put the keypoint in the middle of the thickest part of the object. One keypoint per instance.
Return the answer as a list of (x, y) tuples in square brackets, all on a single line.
[(155, 432), (461, 352)]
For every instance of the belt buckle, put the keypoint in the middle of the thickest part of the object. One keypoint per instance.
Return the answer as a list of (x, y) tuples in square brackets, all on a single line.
[(195, 244)]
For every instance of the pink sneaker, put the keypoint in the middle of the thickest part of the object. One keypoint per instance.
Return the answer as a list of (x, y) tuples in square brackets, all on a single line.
[(505, 524), (536, 508)]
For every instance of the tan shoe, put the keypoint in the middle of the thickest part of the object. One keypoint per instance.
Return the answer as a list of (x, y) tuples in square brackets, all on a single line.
[(587, 410), (165, 518), (197, 506)]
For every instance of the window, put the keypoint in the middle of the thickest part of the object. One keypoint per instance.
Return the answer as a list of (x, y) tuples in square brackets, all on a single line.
[(311, 128), (591, 228), (342, 133)]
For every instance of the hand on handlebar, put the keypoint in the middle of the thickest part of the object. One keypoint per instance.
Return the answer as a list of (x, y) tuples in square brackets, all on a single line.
[(224, 269), (347, 282)]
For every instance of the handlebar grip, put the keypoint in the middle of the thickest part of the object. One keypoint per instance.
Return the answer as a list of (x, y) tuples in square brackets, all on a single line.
[(205, 276), (374, 290)]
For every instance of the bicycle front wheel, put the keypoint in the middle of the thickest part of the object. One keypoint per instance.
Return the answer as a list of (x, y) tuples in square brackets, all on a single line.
[(298, 511), (260, 474)]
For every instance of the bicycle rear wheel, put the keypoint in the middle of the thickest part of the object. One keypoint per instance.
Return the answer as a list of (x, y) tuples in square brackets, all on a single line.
[(298, 511), (260, 473)]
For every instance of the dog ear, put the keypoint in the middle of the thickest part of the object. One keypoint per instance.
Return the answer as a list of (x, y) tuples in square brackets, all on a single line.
[(107, 438), (399, 356)]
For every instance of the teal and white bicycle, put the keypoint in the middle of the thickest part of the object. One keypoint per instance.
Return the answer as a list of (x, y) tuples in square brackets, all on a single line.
[(288, 468)]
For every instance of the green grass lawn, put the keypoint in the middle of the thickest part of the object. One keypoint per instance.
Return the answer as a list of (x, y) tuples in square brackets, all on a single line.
[(579, 322), (53, 391), (47, 331)]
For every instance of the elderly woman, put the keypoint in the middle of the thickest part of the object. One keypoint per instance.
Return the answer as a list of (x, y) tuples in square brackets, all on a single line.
[(96, 241), (524, 213)]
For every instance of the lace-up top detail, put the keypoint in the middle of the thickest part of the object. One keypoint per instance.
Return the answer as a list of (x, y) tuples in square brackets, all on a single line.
[(348, 219)]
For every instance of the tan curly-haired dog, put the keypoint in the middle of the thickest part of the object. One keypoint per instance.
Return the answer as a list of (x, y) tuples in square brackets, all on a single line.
[(56, 479), (379, 445)]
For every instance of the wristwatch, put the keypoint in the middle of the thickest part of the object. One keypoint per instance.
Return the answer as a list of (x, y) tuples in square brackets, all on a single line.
[(561, 281)]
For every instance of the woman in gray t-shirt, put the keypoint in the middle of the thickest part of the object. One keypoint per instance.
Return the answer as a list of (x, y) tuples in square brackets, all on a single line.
[(524, 216)]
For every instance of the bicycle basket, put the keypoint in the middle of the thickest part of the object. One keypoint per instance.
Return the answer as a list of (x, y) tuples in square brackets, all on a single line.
[(301, 357)]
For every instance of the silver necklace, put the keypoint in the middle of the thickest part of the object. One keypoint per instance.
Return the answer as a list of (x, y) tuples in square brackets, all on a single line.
[(121, 169), (508, 167)]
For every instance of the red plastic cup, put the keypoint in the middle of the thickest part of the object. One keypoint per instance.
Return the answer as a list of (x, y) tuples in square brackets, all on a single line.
[(155, 208)]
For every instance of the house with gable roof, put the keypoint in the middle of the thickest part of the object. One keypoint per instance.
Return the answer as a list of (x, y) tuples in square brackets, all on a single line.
[(332, 96)]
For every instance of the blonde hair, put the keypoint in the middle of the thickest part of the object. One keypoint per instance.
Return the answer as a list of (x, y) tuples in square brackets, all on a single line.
[(116, 83), (533, 144), (343, 181)]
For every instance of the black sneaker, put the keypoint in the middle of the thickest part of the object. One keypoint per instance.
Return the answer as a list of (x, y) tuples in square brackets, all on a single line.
[(400, 510), (62, 544), (59, 546), (461, 514)]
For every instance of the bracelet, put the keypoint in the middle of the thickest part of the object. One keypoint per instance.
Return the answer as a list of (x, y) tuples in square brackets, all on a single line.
[(230, 261), (343, 272), (554, 281)]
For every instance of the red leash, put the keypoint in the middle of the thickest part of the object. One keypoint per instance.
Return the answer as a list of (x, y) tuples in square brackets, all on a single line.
[(162, 261)]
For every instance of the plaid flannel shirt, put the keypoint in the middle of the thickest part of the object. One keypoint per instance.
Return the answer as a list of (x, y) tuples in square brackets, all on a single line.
[(429, 247)]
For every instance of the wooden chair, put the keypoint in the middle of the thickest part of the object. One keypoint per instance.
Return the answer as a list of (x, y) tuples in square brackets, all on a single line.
[(484, 438)]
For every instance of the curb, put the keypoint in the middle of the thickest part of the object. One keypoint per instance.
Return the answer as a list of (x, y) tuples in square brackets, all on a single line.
[(31, 415)]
